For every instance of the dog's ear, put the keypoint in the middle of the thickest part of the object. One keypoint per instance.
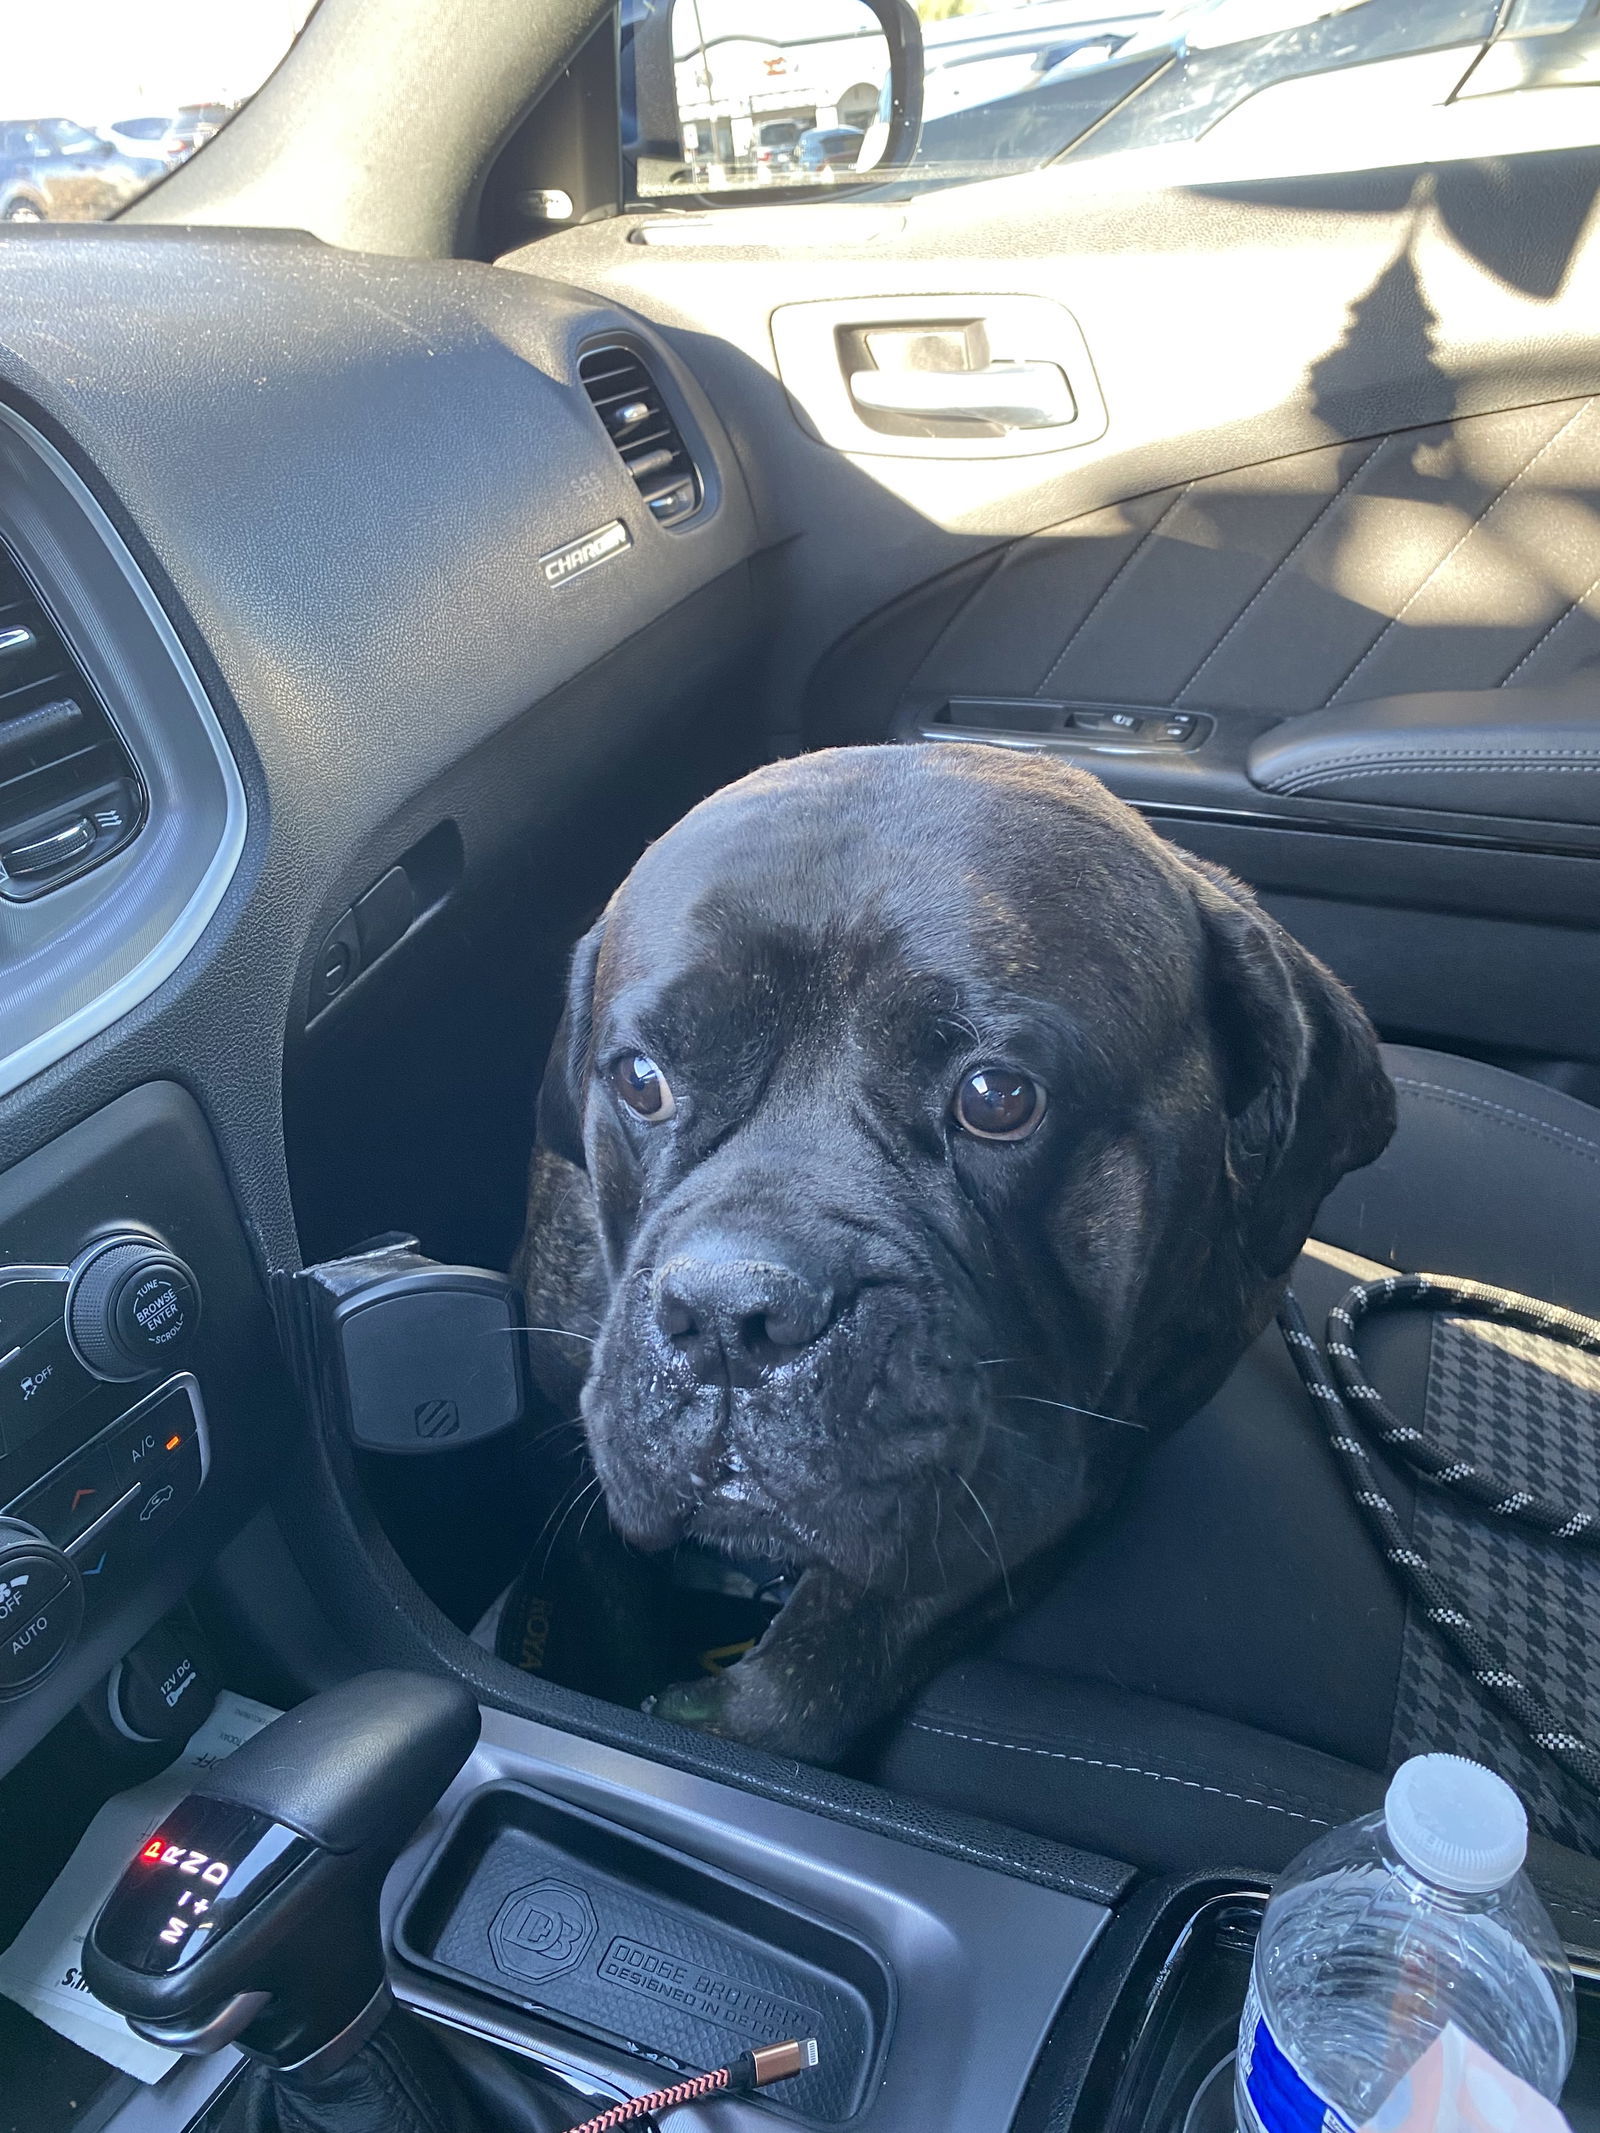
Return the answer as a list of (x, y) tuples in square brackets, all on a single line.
[(1306, 1092), (560, 1117)]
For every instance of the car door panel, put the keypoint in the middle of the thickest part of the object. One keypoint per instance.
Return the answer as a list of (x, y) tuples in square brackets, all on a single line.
[(1227, 329), (1351, 450), (1453, 557)]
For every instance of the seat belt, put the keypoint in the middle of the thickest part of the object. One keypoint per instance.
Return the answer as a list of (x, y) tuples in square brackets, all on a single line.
[(1347, 1402)]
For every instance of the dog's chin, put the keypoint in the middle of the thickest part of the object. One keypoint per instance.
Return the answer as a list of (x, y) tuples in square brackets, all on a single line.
[(855, 1529), (829, 1462)]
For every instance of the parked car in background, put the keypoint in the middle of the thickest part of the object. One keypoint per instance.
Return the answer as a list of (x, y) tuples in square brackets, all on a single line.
[(825, 149), (776, 142), (54, 170), (168, 136), (194, 124), (141, 137)]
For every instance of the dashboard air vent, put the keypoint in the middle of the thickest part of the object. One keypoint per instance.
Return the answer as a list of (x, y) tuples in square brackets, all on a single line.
[(641, 426), (69, 792)]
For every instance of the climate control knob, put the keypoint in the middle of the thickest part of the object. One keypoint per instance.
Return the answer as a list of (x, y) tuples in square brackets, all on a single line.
[(132, 1308), (41, 1606)]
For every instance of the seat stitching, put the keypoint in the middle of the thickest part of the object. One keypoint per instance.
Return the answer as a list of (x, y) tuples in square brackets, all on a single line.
[(1460, 758), (1526, 1121), (1097, 1762), (1111, 584), (985, 579), (1386, 767), (1456, 546), (1281, 565), (1544, 635)]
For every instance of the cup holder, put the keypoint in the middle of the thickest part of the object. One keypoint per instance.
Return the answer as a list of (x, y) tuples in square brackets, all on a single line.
[(1212, 2108), (1163, 2062)]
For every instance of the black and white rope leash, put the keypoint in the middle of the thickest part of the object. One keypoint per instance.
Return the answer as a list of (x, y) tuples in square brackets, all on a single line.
[(1342, 1394)]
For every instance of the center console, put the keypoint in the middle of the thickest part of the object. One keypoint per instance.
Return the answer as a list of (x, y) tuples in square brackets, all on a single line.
[(140, 1398), (606, 1917)]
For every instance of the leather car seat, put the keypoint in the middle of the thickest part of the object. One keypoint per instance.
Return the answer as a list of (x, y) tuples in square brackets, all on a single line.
[(1213, 1678)]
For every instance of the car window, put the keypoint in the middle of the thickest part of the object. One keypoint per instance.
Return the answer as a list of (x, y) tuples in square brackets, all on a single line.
[(1190, 76), (1145, 96), (107, 96)]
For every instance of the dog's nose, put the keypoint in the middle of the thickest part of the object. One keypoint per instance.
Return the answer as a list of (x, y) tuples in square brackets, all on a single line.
[(737, 1319)]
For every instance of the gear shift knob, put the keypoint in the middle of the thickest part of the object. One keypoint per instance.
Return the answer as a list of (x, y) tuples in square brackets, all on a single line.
[(251, 1916)]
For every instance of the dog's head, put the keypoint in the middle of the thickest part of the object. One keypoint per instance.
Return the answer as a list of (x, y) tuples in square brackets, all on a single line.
[(910, 1083)]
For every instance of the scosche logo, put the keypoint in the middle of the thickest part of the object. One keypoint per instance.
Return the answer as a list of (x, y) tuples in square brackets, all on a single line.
[(578, 556)]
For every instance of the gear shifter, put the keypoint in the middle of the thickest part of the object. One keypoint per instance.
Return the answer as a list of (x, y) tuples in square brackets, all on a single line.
[(251, 1916)]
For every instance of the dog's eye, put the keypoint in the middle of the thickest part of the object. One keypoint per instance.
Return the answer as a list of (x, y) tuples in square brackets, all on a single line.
[(643, 1088), (998, 1105)]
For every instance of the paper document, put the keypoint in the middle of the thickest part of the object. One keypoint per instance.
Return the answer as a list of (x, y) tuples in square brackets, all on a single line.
[(1456, 2087), (42, 1970)]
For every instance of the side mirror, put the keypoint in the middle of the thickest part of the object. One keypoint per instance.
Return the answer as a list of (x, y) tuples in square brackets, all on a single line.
[(747, 95)]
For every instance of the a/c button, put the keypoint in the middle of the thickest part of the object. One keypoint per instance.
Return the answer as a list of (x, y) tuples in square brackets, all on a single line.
[(158, 1435)]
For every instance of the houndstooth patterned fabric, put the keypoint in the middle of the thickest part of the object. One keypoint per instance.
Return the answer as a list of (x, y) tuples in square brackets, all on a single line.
[(1528, 1410)]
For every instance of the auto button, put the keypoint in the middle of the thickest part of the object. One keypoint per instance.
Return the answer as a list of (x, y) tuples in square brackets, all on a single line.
[(41, 1606)]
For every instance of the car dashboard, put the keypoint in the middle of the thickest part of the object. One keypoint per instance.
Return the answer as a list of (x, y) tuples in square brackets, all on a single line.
[(309, 609)]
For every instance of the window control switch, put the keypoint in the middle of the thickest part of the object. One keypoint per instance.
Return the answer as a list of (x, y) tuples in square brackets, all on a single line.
[(1110, 725)]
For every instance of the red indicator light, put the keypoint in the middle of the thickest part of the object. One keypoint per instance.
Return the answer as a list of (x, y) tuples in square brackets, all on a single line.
[(173, 1443), (153, 1849)]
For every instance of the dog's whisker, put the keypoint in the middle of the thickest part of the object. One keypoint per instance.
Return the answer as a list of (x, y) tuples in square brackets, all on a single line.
[(1026, 1448), (593, 1484), (561, 1333), (938, 1521), (543, 1436), (1005, 1574), (1035, 1400), (562, 1505), (594, 1503)]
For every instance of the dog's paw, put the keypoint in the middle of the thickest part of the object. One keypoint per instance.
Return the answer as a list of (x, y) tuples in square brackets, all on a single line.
[(689, 1703), (745, 1704)]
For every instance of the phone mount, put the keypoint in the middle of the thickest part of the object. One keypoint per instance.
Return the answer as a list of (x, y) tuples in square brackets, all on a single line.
[(251, 1916), (405, 1355)]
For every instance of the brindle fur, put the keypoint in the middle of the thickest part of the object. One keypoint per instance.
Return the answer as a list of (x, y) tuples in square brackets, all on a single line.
[(812, 957)]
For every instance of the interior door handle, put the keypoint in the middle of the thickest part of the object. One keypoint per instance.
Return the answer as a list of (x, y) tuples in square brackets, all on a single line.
[(1014, 396)]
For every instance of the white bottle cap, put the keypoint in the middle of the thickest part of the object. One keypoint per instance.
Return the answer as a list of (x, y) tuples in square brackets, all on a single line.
[(1455, 1823)]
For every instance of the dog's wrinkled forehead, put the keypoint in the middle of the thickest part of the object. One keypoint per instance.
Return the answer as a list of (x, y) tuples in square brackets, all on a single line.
[(815, 886)]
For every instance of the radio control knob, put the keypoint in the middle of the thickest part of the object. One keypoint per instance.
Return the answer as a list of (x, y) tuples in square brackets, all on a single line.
[(41, 1606), (132, 1308)]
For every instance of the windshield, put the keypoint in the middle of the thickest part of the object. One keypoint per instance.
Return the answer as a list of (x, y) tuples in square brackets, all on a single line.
[(106, 97)]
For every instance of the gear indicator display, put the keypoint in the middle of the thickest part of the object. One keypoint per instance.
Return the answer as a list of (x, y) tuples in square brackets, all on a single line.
[(203, 1870)]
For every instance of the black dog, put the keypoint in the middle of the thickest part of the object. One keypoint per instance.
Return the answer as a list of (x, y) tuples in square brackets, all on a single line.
[(922, 1131)]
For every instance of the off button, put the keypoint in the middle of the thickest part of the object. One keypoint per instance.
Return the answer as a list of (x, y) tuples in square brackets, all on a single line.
[(41, 1606)]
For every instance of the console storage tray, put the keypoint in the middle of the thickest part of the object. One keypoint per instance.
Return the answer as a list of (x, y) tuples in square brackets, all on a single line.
[(554, 1910)]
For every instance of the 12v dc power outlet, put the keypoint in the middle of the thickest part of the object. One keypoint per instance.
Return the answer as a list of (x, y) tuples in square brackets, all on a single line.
[(164, 1688)]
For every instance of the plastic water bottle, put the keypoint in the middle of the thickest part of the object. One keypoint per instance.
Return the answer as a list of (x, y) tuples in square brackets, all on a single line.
[(1380, 1934)]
